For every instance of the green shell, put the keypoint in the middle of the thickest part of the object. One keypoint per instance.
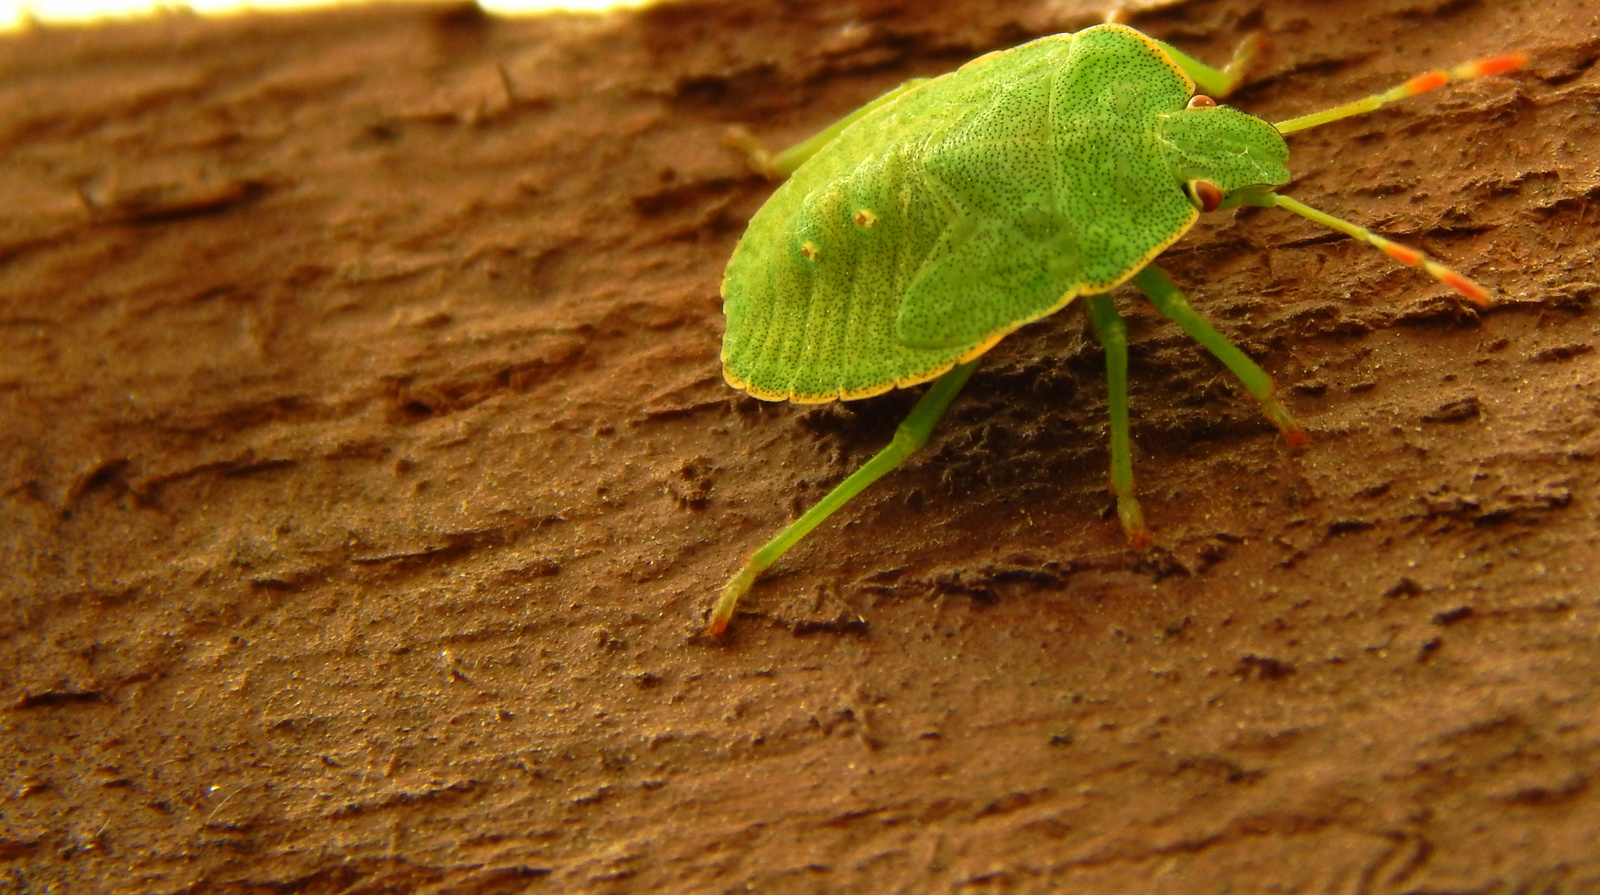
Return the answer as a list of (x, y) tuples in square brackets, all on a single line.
[(972, 204)]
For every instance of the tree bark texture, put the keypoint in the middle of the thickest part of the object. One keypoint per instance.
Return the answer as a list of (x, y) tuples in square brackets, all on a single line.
[(366, 472)]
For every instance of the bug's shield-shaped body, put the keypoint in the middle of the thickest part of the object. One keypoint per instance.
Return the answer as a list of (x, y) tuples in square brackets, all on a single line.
[(972, 204)]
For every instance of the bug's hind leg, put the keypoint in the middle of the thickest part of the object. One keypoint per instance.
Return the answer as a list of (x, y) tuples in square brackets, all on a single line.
[(1216, 83), (911, 435), (1113, 336), (781, 164), (1171, 303)]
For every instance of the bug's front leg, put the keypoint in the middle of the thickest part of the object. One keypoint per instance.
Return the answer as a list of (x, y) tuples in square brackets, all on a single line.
[(1212, 82), (1172, 305)]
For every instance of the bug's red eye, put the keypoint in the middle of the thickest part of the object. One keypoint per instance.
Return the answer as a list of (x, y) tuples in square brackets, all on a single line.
[(1205, 195), (1201, 101)]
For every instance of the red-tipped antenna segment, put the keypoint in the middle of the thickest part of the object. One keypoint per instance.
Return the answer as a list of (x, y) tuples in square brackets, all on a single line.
[(1496, 65), (1466, 288)]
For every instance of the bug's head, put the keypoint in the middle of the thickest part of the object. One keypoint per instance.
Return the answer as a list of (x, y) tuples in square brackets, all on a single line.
[(1214, 151), (1223, 158)]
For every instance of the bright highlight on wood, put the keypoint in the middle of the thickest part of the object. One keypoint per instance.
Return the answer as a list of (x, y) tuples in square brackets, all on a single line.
[(917, 232), (18, 14)]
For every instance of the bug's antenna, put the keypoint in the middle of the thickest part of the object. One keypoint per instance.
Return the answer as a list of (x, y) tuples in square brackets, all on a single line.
[(1496, 65), (1466, 288)]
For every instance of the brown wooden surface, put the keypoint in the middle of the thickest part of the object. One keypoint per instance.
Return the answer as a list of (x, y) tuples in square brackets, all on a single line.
[(366, 472)]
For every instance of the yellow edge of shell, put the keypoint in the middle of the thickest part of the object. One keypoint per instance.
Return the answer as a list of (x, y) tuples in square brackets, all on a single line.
[(976, 350), (1151, 43)]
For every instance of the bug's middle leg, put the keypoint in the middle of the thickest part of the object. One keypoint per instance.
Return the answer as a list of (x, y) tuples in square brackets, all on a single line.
[(1113, 336), (1171, 303)]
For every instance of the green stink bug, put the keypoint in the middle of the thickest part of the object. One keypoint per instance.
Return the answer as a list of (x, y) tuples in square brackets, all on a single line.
[(917, 232)]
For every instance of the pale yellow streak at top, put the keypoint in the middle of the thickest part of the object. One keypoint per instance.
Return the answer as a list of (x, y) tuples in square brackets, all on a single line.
[(15, 14)]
